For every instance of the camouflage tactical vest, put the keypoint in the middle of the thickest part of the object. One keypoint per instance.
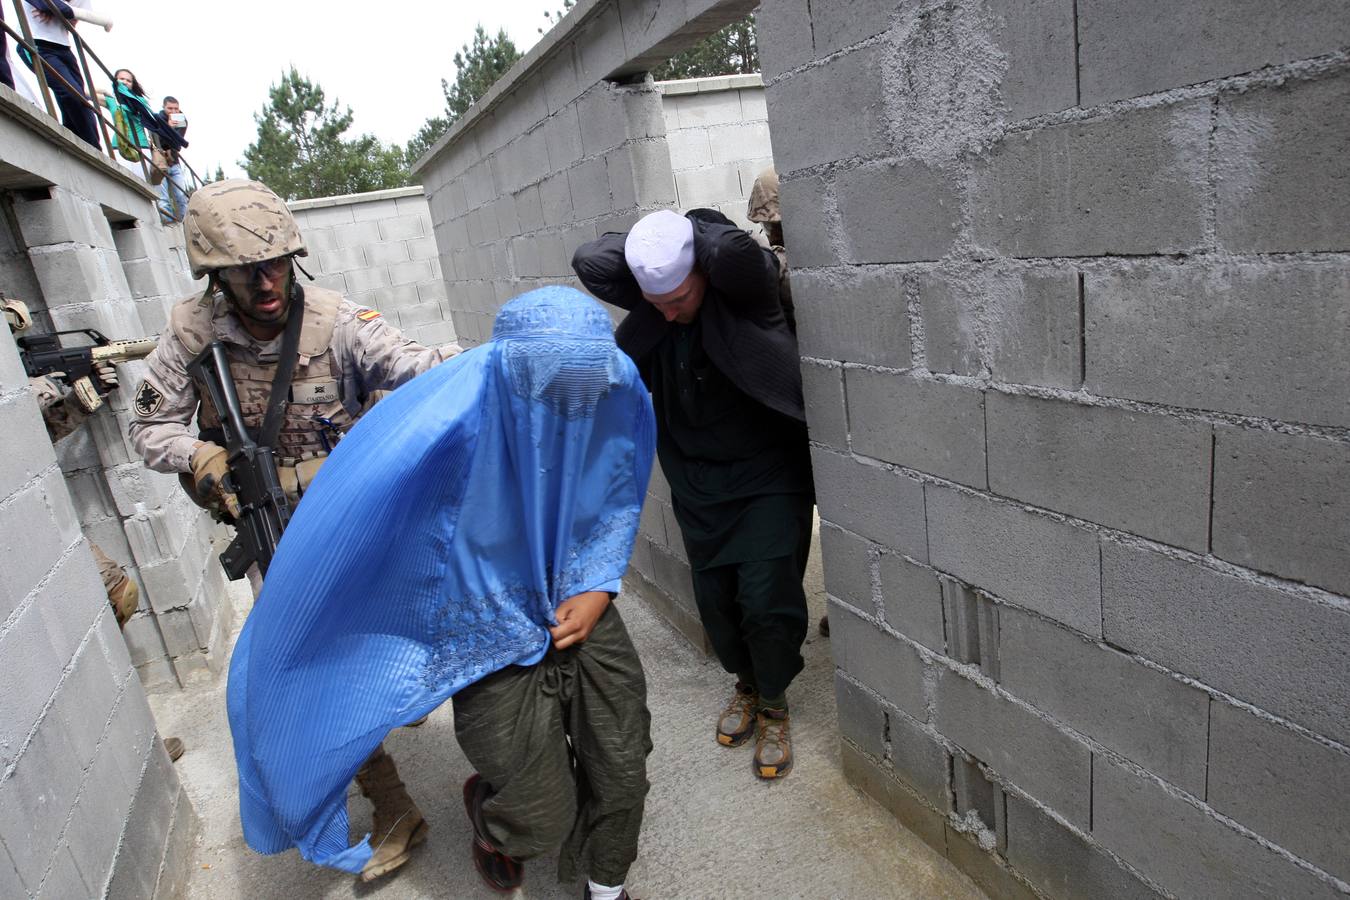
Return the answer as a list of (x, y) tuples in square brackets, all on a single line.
[(315, 416)]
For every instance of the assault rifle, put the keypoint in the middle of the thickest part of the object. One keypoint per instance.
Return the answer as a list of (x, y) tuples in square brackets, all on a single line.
[(263, 508), (43, 354)]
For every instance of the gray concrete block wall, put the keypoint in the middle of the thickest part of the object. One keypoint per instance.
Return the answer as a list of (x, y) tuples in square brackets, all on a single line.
[(718, 133), (1071, 292), (379, 250), (88, 798)]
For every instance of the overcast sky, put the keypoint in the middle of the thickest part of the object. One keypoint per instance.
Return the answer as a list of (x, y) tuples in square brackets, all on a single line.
[(218, 59)]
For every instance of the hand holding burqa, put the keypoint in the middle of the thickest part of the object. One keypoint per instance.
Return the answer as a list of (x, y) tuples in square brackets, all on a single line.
[(433, 549)]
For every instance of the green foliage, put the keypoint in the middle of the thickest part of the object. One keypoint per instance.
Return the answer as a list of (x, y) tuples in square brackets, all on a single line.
[(478, 65), (554, 17), (220, 174), (731, 51), (301, 151)]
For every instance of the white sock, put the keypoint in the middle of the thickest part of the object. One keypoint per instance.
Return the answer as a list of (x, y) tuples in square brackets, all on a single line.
[(601, 892)]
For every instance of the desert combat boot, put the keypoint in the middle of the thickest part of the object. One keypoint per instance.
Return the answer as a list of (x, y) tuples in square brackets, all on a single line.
[(398, 825)]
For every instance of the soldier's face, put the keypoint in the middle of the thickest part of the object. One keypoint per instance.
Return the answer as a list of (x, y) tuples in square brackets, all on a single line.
[(682, 304), (261, 291)]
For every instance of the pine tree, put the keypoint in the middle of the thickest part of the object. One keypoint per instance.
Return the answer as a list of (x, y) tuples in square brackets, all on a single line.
[(731, 51), (301, 152), (478, 65)]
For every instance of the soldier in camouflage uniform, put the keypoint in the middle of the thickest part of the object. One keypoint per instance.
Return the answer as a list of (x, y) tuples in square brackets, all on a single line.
[(764, 209), (241, 235)]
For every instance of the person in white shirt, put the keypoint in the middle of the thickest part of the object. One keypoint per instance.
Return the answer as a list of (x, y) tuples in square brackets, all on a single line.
[(53, 45)]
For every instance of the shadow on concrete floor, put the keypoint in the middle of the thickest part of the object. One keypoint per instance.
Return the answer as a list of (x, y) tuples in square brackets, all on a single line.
[(711, 828)]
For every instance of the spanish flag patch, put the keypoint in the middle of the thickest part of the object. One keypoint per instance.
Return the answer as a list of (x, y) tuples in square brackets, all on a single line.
[(366, 315)]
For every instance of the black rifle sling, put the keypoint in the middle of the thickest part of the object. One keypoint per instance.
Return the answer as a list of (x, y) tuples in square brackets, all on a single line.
[(281, 382)]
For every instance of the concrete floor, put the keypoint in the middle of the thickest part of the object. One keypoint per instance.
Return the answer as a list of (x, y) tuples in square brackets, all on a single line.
[(712, 830)]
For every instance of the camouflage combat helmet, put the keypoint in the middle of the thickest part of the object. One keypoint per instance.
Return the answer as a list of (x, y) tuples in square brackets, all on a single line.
[(234, 222), (764, 198)]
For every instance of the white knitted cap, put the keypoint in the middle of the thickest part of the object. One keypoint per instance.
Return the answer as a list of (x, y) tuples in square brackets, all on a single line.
[(660, 251)]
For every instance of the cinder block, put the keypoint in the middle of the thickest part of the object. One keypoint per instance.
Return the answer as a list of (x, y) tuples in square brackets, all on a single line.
[(823, 389), (71, 274), (63, 878), (345, 260), (899, 800), (848, 567), (58, 219), (330, 215), (435, 334), (1283, 175), (1030, 326), (852, 315), (366, 279), (508, 223), (30, 542), (425, 248), (808, 221), (622, 192), (32, 676), (970, 626), (374, 209), (1183, 847), (931, 426), (689, 148), (143, 641), (479, 188), (600, 47), (588, 183), (653, 181), (1038, 40), (1131, 184), (861, 717), (707, 108), (785, 36), (420, 314), (600, 116), (1128, 49), (705, 187), (333, 282), (384, 254), (1062, 862), (134, 242), (141, 852), (411, 272), (1017, 744), (674, 536), (70, 603), (673, 577), (357, 234), (1229, 344), (562, 140), (27, 452), (1282, 505), (653, 523), (1282, 785), (897, 212), (556, 199), (911, 601), (1034, 561), (847, 89), (36, 798), (84, 704), (1144, 715), (835, 26), (884, 663), (1147, 474), (1296, 667), (732, 143), (879, 504)]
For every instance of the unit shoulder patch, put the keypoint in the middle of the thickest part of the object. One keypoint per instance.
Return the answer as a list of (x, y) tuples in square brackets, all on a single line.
[(148, 399), (366, 315)]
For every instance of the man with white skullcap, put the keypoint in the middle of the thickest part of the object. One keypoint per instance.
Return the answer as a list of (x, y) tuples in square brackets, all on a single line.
[(706, 328)]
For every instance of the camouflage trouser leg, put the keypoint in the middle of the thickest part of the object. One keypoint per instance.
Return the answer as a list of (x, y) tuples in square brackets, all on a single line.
[(513, 727), (121, 590)]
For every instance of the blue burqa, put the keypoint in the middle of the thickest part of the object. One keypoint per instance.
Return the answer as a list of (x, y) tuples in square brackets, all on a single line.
[(431, 551)]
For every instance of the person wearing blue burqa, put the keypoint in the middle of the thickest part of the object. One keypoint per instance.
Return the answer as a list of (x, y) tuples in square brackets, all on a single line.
[(465, 539)]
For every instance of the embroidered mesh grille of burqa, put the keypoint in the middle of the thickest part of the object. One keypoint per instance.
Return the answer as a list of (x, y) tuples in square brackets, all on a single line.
[(432, 550)]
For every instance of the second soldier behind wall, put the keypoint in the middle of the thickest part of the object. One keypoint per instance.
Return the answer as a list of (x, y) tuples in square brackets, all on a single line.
[(241, 235)]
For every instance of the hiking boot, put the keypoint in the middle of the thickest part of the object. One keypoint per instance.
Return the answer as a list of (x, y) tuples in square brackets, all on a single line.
[(500, 872), (737, 721), (773, 745), (174, 747), (398, 825)]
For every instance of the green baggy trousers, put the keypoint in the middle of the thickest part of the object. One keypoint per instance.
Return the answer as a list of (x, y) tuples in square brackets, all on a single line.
[(587, 796)]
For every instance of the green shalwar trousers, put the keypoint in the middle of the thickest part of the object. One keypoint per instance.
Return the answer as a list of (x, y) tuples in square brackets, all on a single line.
[(587, 795)]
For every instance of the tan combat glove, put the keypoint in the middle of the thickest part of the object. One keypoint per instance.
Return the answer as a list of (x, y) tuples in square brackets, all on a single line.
[(209, 468)]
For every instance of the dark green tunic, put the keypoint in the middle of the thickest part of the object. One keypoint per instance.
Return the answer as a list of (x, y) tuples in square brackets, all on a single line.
[(739, 472)]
